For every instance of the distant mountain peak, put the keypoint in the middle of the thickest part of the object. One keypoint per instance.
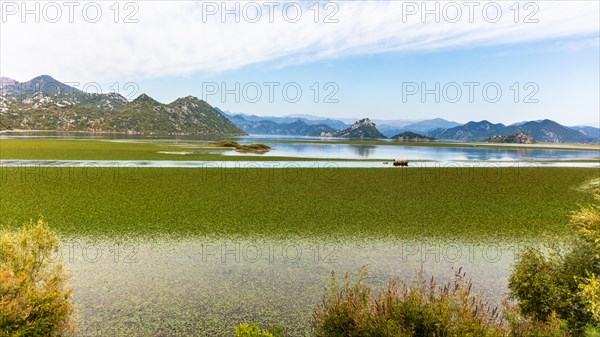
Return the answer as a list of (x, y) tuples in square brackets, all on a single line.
[(44, 84), (189, 99), (481, 122), (362, 122), (361, 129), (298, 122), (43, 78), (145, 98), (4, 79)]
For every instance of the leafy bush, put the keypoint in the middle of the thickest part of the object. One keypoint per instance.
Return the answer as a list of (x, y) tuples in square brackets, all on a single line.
[(34, 297), (589, 292), (534, 283), (345, 309), (518, 325), (563, 281), (424, 308)]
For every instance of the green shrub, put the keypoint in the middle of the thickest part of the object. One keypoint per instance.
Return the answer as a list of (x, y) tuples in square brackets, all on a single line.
[(423, 308), (566, 281), (34, 297), (345, 308), (589, 292), (519, 326), (534, 283)]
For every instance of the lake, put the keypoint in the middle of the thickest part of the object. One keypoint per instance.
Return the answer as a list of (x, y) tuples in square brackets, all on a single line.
[(195, 273), (331, 153)]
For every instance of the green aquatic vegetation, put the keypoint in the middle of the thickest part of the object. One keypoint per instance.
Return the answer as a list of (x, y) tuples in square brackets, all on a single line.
[(225, 143), (465, 203), (253, 330), (255, 148)]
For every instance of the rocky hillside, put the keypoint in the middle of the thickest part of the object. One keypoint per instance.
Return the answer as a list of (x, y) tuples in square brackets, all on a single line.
[(46, 104), (362, 129), (516, 138)]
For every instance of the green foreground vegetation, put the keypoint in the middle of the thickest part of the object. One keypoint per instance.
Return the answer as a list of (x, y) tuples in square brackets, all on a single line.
[(557, 293), (463, 203)]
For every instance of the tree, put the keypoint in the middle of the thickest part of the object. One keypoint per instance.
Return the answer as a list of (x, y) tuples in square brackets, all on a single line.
[(565, 282), (34, 297)]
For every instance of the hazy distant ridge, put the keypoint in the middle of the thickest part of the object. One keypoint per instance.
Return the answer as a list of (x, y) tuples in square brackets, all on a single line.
[(544, 131)]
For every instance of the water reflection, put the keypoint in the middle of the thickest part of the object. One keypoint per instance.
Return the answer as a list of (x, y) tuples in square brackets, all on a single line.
[(363, 151), (438, 153)]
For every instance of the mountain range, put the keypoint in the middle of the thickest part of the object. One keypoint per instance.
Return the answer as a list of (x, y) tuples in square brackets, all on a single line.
[(441, 129), (279, 126), (422, 127), (307, 119), (44, 103), (542, 131)]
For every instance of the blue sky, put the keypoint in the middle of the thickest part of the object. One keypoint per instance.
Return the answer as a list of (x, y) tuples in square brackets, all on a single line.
[(369, 59), (567, 83)]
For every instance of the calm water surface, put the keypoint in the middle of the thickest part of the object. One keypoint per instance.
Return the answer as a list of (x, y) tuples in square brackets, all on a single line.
[(204, 287), (283, 146)]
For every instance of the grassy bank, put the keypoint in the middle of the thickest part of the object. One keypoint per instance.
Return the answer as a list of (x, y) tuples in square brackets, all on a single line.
[(481, 203)]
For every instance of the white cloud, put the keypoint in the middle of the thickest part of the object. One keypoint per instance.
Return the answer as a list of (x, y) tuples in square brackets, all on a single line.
[(172, 39)]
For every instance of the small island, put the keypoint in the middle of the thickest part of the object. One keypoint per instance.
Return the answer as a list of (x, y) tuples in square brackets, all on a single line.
[(516, 138), (254, 148), (408, 136)]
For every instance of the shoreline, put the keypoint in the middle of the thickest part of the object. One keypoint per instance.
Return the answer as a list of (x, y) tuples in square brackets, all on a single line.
[(439, 143)]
